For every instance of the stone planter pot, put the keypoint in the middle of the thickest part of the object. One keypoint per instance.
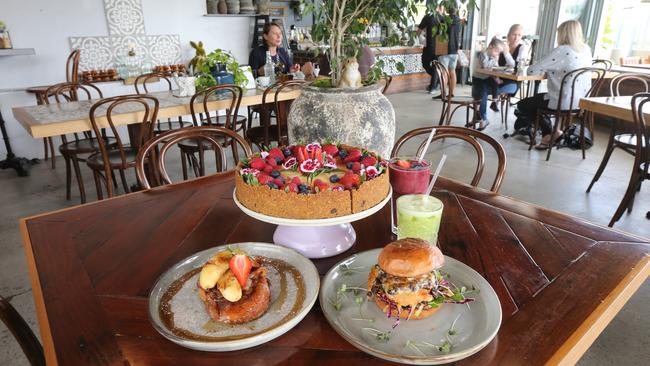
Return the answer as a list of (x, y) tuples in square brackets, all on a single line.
[(361, 117)]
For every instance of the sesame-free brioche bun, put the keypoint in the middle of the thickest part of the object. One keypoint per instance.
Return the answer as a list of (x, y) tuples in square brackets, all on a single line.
[(410, 257), (405, 312)]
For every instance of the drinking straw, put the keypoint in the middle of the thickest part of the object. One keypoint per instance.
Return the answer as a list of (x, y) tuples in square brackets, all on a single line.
[(426, 146), (435, 175)]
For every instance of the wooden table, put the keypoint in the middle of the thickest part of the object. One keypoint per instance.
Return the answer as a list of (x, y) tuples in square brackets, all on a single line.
[(57, 119), (560, 279), (514, 76), (615, 107)]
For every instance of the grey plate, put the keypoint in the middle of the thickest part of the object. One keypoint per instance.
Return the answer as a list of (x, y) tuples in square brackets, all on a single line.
[(190, 314), (477, 322)]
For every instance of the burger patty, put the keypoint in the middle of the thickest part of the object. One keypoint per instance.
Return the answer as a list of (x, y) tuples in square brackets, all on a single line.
[(406, 292), (255, 300)]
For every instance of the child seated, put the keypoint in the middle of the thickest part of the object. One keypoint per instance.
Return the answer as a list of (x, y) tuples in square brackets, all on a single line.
[(482, 84)]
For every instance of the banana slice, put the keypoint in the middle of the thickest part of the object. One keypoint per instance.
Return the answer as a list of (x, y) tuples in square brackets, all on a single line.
[(229, 287), (210, 274), (223, 256)]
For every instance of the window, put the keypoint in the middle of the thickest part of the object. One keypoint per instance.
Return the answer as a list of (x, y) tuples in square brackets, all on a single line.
[(624, 30)]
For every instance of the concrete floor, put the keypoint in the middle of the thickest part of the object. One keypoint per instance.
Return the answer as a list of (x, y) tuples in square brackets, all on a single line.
[(558, 184)]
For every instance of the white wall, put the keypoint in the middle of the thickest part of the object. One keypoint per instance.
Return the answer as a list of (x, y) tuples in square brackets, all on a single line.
[(46, 25)]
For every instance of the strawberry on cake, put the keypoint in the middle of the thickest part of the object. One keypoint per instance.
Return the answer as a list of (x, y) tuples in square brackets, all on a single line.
[(312, 181)]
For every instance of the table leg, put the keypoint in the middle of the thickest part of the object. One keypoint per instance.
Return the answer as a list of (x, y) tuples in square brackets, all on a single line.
[(21, 165), (537, 82)]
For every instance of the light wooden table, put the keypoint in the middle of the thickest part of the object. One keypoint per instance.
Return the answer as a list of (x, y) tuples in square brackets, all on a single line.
[(615, 107), (58, 119), (510, 75)]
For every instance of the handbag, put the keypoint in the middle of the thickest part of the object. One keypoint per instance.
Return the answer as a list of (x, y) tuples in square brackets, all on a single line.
[(572, 137)]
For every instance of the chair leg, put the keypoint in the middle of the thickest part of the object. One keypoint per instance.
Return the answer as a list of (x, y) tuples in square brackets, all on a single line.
[(533, 135), (80, 180), (558, 121), (629, 195), (184, 165), (582, 136), (505, 120), (124, 183), (46, 151), (98, 185), (49, 141), (608, 154), (68, 177)]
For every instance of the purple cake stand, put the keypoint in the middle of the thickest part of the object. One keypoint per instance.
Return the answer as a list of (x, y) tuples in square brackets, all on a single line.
[(318, 238)]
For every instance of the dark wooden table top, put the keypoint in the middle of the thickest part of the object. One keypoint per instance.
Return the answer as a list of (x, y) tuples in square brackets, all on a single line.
[(560, 279)]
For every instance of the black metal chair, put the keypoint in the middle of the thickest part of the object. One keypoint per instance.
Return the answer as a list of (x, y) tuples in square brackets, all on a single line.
[(564, 117), (449, 102), (22, 332)]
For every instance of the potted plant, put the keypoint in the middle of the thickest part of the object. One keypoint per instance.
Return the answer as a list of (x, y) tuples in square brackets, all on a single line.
[(217, 67), (358, 116)]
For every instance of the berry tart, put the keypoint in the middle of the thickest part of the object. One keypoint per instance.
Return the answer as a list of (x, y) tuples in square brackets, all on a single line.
[(312, 181)]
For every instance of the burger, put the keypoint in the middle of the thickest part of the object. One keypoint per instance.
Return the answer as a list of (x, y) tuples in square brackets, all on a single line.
[(406, 282), (234, 287)]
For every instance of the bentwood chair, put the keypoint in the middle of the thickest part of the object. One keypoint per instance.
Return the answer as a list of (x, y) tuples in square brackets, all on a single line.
[(387, 79), (22, 332), (623, 84), (153, 152), (74, 147), (268, 132), (605, 64), (123, 156), (71, 76), (142, 84), (471, 136), (571, 88), (640, 169), (203, 116), (449, 101)]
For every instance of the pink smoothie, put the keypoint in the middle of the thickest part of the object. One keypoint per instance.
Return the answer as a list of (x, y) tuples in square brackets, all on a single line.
[(409, 180)]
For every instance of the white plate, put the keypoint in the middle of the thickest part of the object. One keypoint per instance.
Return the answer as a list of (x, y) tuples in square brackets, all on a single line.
[(314, 222), (190, 314), (478, 322)]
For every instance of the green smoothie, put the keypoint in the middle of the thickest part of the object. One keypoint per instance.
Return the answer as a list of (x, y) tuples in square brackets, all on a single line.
[(418, 216)]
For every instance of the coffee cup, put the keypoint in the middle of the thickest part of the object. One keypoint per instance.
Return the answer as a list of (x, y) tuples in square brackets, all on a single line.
[(263, 81)]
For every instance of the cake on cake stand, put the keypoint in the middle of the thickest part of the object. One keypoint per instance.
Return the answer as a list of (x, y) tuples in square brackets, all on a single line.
[(314, 238)]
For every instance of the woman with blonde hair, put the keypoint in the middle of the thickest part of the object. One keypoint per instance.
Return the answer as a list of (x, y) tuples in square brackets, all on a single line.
[(516, 50), (570, 54)]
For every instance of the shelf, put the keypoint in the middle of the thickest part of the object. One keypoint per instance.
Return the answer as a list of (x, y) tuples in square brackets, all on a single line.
[(231, 15), (17, 51)]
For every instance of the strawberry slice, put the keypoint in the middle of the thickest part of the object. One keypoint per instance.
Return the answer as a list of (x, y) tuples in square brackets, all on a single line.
[(240, 265), (403, 164), (276, 153), (353, 155), (331, 149), (369, 160)]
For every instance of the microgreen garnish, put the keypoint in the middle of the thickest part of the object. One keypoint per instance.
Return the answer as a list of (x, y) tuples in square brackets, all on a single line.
[(378, 334), (337, 303), (346, 270), (445, 346)]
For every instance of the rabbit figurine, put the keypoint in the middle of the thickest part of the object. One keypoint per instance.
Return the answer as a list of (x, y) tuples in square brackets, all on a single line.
[(351, 77)]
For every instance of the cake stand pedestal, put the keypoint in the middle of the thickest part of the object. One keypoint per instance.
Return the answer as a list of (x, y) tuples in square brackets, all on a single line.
[(317, 238)]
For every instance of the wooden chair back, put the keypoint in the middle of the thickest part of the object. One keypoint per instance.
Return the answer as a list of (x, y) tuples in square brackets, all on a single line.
[(72, 67), (153, 152), (148, 118), (605, 64), (23, 334), (281, 113), (141, 81), (641, 130), (70, 92), (640, 83), (471, 136), (570, 79), (201, 114)]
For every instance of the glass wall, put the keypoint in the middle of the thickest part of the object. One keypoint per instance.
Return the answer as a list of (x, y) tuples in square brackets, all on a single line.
[(504, 13), (624, 32)]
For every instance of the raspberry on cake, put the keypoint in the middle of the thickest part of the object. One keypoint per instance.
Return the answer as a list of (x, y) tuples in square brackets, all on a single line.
[(312, 181)]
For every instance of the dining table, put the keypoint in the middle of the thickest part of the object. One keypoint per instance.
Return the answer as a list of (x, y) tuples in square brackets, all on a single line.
[(559, 279), (62, 118), (510, 74)]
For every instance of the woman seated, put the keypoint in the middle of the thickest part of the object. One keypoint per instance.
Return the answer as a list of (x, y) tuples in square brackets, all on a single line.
[(272, 35), (516, 50), (482, 84), (571, 54)]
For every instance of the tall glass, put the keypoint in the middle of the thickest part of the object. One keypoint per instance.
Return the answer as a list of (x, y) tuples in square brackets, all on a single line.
[(418, 216), (407, 176)]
